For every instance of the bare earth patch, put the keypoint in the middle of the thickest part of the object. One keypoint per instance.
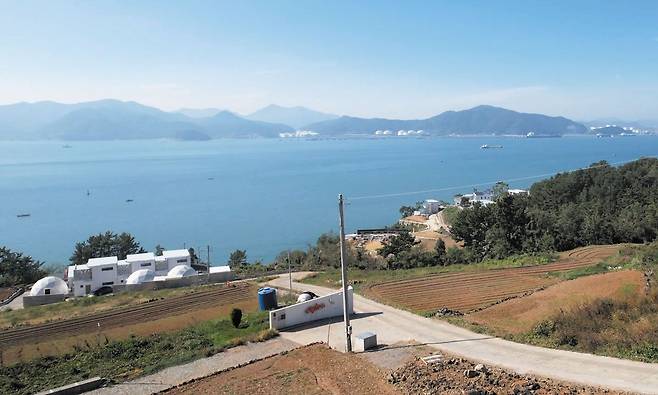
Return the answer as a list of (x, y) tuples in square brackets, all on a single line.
[(315, 369), (419, 219), (458, 376), (522, 314)]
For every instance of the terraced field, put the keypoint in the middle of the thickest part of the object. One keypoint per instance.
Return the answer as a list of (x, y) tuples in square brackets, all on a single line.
[(126, 316), (474, 290)]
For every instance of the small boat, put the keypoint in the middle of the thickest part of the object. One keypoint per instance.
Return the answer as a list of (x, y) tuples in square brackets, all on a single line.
[(128, 200), (66, 146), (22, 215), (211, 178), (486, 146)]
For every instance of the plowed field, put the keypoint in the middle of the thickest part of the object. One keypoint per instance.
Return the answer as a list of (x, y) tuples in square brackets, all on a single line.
[(468, 291), (128, 316), (522, 314)]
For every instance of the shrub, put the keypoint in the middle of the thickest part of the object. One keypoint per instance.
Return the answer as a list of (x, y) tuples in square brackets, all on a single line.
[(236, 317), (545, 328)]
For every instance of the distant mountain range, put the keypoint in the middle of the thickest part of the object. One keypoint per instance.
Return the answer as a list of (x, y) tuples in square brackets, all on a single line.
[(297, 117), (199, 112), (474, 121), (118, 120), (114, 120)]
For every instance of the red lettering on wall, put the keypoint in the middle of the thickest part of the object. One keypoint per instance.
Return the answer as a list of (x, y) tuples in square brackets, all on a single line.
[(312, 309)]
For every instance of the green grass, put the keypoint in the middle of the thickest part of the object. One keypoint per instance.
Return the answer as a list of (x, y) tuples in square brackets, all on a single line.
[(450, 213), (573, 274), (627, 258), (364, 278), (133, 357)]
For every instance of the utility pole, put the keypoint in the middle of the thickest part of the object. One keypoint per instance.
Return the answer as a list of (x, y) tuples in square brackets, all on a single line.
[(208, 265), (343, 269), (290, 274)]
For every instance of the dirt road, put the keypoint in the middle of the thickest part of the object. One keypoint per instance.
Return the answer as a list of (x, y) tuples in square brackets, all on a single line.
[(393, 325)]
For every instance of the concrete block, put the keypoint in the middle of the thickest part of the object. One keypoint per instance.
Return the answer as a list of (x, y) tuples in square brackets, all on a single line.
[(365, 341)]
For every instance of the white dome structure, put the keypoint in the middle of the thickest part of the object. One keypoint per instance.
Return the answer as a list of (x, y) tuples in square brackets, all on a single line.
[(49, 286), (181, 271), (140, 276)]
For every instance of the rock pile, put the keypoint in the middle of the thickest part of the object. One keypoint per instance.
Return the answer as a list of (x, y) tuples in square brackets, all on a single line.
[(446, 312), (459, 376)]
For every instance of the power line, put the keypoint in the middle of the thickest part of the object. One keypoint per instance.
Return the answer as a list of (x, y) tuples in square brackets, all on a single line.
[(409, 193)]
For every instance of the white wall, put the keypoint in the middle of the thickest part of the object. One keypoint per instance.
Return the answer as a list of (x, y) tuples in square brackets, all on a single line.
[(142, 264), (100, 276), (312, 310), (174, 261)]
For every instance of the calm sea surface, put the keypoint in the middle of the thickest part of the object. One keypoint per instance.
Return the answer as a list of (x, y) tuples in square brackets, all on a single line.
[(264, 196)]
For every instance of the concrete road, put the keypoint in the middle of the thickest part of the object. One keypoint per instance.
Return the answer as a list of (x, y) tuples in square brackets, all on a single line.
[(393, 325)]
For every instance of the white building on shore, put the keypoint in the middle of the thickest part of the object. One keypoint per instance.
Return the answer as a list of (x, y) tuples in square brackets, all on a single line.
[(110, 271), (483, 197)]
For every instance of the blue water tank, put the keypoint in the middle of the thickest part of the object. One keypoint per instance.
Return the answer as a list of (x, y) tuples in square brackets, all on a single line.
[(267, 298)]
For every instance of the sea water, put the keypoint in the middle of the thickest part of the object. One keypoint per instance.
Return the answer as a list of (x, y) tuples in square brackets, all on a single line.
[(262, 195)]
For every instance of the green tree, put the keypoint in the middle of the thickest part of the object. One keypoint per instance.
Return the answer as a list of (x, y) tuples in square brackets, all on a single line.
[(16, 268), (406, 211), (236, 317), (159, 249), (237, 259), (598, 205), (397, 244), (499, 190), (105, 244), (440, 251)]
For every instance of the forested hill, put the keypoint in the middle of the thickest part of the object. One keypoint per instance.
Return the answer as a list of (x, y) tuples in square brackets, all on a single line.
[(599, 205), (480, 120)]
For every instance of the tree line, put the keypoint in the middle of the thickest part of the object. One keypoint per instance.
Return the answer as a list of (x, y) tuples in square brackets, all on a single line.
[(602, 204)]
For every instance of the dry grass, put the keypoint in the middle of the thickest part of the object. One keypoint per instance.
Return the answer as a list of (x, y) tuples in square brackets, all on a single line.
[(523, 314), (11, 354), (79, 307), (472, 290)]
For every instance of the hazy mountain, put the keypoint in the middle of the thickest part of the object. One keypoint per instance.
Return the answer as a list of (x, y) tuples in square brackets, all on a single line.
[(608, 131), (227, 124), (477, 120), (293, 116), (23, 120), (199, 112), (115, 120)]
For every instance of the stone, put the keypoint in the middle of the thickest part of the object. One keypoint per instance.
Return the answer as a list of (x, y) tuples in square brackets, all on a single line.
[(470, 373), (480, 368)]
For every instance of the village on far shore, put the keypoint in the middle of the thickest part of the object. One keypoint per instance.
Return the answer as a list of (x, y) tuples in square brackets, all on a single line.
[(430, 220)]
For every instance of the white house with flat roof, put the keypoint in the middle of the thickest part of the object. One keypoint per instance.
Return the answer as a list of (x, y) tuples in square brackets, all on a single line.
[(110, 271)]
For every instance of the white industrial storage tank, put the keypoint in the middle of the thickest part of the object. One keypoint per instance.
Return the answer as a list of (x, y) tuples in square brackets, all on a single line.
[(49, 286), (181, 271), (140, 276)]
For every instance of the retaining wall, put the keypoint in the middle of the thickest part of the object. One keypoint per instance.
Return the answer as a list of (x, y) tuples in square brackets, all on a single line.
[(29, 301), (311, 310)]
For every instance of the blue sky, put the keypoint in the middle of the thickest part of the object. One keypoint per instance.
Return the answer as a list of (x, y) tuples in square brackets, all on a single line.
[(582, 59)]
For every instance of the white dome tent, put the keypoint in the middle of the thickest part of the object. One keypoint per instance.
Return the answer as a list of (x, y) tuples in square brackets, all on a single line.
[(140, 276), (181, 271), (49, 286)]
